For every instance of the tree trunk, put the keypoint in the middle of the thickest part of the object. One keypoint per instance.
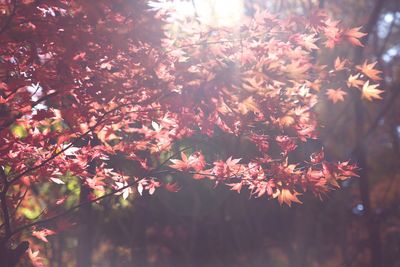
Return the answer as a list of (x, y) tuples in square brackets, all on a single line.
[(372, 224), (85, 233)]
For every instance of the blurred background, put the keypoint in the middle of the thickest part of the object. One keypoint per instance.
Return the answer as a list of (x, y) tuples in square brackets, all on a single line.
[(358, 225)]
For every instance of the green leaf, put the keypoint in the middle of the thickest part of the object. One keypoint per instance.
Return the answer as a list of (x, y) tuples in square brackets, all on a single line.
[(31, 213), (19, 131)]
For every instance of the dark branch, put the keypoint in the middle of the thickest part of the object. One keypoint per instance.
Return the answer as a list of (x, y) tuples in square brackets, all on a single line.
[(70, 210), (4, 207)]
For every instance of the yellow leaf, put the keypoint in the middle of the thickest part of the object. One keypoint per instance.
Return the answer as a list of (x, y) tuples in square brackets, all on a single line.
[(370, 92)]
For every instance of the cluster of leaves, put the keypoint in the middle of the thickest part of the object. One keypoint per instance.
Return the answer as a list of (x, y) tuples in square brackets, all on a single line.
[(263, 83), (72, 98)]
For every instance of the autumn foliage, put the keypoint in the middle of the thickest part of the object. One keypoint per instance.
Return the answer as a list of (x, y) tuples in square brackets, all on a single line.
[(85, 82)]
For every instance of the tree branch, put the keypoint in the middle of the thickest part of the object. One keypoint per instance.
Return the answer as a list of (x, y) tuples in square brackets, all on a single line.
[(70, 210), (4, 207), (113, 192)]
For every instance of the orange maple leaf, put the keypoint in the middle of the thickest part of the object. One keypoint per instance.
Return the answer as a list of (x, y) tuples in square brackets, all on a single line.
[(296, 69), (336, 95), (340, 64), (353, 81), (286, 196), (353, 35), (370, 92), (369, 71)]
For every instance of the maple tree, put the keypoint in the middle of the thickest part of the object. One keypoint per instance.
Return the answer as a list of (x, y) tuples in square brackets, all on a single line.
[(124, 85)]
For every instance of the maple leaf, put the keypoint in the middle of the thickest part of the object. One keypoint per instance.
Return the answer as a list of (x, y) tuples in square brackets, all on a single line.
[(96, 183), (336, 95), (315, 176), (307, 41), (181, 165), (332, 33), (236, 186), (262, 187), (317, 19), (195, 161), (370, 92), (225, 169), (340, 64), (329, 172), (286, 196), (232, 164), (353, 81), (346, 170), (353, 35), (152, 185), (315, 85), (42, 234), (35, 259), (296, 69), (369, 71)]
